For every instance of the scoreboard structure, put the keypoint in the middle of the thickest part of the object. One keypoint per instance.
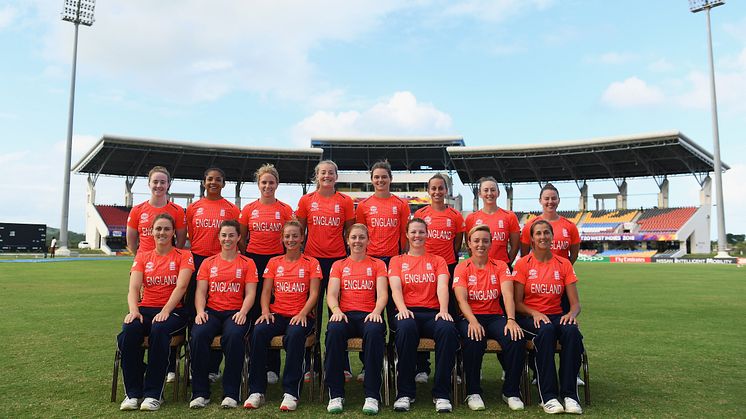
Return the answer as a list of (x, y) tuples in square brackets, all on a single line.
[(23, 237)]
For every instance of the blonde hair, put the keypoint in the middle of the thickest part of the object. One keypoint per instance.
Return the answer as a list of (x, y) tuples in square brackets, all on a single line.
[(293, 223), (267, 168), (481, 227), (358, 226), (316, 170)]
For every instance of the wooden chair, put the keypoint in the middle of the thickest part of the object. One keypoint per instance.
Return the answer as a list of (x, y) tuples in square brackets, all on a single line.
[(583, 365), (425, 345), (493, 347), (178, 342), (215, 346), (356, 345), (312, 345)]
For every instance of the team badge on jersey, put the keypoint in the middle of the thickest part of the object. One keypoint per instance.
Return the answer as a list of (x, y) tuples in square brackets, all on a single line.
[(277, 215), (500, 224), (472, 280), (149, 267), (301, 273), (429, 266), (565, 233), (369, 271), (493, 279), (533, 274), (448, 222), (394, 210), (222, 212), (556, 276), (373, 209), (280, 271), (239, 273), (213, 272), (172, 266), (255, 213), (346, 271), (200, 211), (336, 208)]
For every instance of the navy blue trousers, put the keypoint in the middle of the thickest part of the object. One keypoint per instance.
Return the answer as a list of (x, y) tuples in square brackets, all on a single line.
[(273, 357), (512, 352), (373, 335), (159, 335), (545, 339), (407, 337), (232, 342), (294, 344)]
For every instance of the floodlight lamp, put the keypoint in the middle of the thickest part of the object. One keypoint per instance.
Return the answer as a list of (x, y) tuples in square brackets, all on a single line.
[(699, 5), (79, 11)]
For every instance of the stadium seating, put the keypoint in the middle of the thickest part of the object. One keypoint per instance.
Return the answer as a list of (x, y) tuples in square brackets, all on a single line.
[(602, 221), (665, 219), (114, 216)]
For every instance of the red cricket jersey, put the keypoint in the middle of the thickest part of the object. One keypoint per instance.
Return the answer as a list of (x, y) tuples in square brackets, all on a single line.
[(160, 274), (442, 228), (357, 282), (291, 282), (265, 223), (203, 224), (482, 285), (227, 280), (565, 235), (325, 218), (419, 278), (501, 224), (141, 218), (544, 282), (387, 222)]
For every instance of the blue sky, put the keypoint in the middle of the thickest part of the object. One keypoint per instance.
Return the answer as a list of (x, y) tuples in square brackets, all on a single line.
[(497, 72)]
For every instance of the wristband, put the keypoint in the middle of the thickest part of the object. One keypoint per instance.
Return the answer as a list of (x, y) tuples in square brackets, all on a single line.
[(510, 318)]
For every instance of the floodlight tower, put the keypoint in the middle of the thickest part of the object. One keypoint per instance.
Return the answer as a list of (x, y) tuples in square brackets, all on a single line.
[(79, 12), (696, 6)]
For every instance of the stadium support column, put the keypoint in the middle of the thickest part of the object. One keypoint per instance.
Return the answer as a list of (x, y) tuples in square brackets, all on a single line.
[(583, 204), (128, 200), (238, 194), (621, 198), (663, 194), (509, 197), (475, 192), (91, 192)]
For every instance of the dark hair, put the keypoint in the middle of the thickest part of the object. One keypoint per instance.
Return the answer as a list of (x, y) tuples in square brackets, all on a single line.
[(166, 216), (533, 226), (214, 169), (230, 223), (159, 169), (438, 176), (416, 220), (488, 179), (548, 187), (381, 164)]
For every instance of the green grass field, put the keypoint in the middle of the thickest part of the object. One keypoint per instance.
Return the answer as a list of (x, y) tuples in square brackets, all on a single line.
[(663, 341)]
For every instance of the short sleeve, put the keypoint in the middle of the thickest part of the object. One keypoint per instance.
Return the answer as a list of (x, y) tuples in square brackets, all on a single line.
[(187, 261), (513, 225), (574, 235), (360, 213), (349, 208), (138, 265), (243, 217), (269, 270), (503, 272), (302, 211), (441, 266), (134, 217), (335, 272), (203, 274), (519, 272), (380, 268), (287, 213), (469, 222), (569, 271), (525, 234), (459, 221), (395, 266), (316, 269), (458, 274), (251, 273)]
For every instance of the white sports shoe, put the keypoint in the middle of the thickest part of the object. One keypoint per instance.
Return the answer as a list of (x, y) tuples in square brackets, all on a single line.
[(272, 377), (151, 404), (336, 405), (370, 407), (199, 403), (475, 402), (289, 403), (552, 407), (443, 406), (229, 403), (571, 406), (514, 403), (402, 404), (255, 401), (130, 403), (361, 377), (580, 382), (170, 377), (421, 378)]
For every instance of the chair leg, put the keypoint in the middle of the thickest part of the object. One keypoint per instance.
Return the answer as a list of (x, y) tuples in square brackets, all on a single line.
[(386, 389), (312, 369), (454, 383), (320, 377), (177, 370), (587, 378), (527, 380), (115, 375), (187, 372)]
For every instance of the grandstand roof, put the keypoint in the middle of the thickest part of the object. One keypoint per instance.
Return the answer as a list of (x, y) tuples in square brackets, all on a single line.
[(650, 154), (403, 153), (134, 157)]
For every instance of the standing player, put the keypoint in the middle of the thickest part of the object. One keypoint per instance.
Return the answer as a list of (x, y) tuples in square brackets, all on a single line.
[(163, 275), (541, 278), (503, 223), (261, 227), (293, 279), (566, 242), (325, 215), (225, 293), (357, 295), (419, 288), (479, 284)]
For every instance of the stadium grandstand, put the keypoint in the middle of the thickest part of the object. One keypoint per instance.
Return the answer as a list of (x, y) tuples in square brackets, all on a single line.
[(619, 234)]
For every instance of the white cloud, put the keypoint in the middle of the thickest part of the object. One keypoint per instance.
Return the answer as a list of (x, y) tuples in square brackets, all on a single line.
[(632, 92), (730, 85), (494, 10), (7, 16), (401, 114), (660, 65), (198, 51)]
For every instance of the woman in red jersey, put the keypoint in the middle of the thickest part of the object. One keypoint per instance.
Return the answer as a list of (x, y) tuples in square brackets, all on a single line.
[(357, 295), (419, 287), (325, 216), (293, 279), (140, 219), (163, 275), (566, 242), (503, 223), (261, 231), (541, 278), (225, 293), (479, 283)]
